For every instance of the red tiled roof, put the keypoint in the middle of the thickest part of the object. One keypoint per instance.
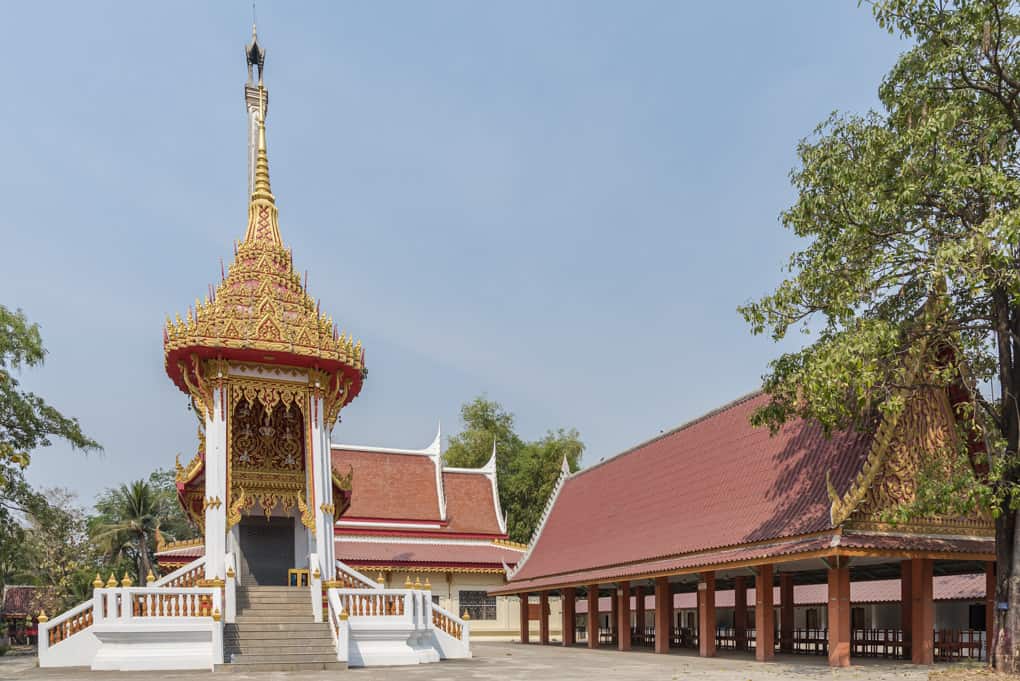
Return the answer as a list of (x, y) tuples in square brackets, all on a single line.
[(388, 485), (714, 482), (947, 588), (399, 553), (469, 503), (737, 554), (886, 542)]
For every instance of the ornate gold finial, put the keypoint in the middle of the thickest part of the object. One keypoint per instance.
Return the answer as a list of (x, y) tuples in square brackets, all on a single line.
[(42, 617), (428, 585), (127, 581), (263, 224), (380, 579), (315, 573), (150, 578), (97, 583), (408, 584), (230, 572), (466, 617), (417, 581), (216, 615), (111, 583), (343, 614)]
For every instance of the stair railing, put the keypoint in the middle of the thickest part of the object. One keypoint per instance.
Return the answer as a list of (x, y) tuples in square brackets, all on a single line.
[(349, 578), (187, 575), (446, 621), (65, 626)]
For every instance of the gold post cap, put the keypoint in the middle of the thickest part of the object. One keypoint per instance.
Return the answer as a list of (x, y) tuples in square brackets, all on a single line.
[(42, 616), (417, 581), (466, 617), (408, 584), (343, 614), (380, 579), (150, 578), (428, 585), (127, 581), (111, 583), (216, 615), (97, 583)]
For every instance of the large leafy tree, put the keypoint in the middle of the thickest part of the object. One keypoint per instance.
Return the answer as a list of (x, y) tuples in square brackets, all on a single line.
[(26, 420), (526, 471), (911, 216)]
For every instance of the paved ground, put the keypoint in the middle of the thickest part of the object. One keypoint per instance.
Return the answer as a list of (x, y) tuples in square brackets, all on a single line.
[(498, 661)]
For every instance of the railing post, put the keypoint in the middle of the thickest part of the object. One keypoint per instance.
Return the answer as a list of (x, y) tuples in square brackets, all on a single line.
[(217, 631), (98, 613), (111, 603), (126, 606), (315, 586), (230, 590)]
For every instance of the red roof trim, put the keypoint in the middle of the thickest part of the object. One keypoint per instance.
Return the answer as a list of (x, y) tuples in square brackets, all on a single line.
[(420, 534)]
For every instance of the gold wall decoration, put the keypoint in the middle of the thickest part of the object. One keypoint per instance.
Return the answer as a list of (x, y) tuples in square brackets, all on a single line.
[(307, 517)]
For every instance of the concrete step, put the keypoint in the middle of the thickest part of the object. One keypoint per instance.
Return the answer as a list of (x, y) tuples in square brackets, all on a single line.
[(302, 628), (274, 619), (300, 658), (264, 638), (266, 648), (297, 609), (246, 667)]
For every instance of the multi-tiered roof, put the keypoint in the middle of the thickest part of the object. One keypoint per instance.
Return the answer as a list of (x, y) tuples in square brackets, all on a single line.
[(260, 311)]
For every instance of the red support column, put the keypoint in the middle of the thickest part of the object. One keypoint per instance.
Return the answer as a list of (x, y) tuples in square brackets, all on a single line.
[(740, 612), (839, 615), (906, 611), (922, 621), (639, 612), (764, 615), (525, 624), (663, 614), (543, 618), (614, 616), (989, 608), (593, 616), (706, 614), (623, 616), (569, 597), (786, 612)]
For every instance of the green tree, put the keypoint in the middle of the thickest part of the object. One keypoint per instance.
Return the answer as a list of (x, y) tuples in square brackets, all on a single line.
[(56, 547), (526, 471), (128, 518), (911, 217), (26, 420)]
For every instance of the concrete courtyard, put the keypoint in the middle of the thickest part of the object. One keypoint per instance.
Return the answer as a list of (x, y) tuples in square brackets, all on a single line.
[(511, 661)]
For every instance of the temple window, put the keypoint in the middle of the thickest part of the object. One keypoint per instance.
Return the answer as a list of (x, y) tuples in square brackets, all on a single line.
[(479, 604)]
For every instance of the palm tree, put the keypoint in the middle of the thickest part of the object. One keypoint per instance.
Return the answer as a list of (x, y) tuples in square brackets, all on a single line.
[(130, 517)]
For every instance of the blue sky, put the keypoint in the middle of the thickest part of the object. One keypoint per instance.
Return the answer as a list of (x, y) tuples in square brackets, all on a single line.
[(557, 204)]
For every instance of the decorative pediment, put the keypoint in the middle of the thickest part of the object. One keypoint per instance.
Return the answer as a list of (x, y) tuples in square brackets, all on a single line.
[(919, 439)]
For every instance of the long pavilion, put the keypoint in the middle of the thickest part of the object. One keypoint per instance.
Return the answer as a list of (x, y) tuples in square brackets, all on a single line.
[(718, 505)]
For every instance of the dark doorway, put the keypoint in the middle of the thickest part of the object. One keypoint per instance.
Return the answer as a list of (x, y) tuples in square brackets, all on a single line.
[(267, 550)]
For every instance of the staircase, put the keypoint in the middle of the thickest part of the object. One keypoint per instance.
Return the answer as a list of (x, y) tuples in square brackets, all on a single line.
[(274, 631)]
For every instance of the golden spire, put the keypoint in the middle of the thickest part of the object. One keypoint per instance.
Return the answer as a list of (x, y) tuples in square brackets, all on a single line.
[(262, 218)]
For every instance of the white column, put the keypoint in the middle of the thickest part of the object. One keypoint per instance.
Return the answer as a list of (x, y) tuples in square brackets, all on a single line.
[(216, 498), (323, 544)]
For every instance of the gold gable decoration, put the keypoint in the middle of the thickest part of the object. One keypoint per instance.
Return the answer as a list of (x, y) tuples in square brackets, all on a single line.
[(919, 437)]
